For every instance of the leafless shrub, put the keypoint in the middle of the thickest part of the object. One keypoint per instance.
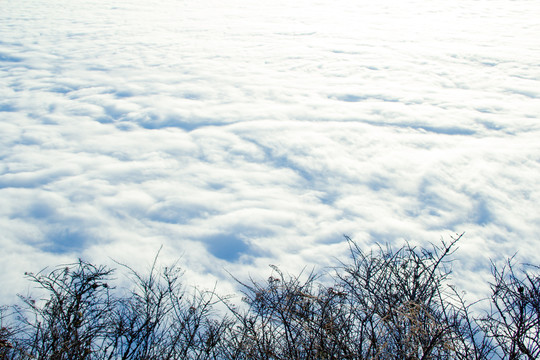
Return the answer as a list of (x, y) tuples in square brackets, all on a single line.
[(514, 320), (278, 321), (73, 321), (383, 304), (159, 319)]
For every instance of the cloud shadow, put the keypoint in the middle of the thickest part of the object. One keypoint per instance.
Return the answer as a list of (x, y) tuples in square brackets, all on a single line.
[(228, 247)]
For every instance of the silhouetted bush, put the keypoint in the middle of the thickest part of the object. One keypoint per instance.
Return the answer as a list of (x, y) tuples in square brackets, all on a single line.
[(383, 304), (514, 320)]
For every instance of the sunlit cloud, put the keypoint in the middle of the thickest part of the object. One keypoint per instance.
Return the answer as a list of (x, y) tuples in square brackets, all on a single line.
[(238, 135)]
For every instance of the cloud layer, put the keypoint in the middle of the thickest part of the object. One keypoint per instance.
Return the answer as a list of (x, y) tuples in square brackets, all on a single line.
[(238, 134)]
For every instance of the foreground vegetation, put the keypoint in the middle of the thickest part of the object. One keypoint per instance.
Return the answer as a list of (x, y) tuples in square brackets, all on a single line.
[(386, 304)]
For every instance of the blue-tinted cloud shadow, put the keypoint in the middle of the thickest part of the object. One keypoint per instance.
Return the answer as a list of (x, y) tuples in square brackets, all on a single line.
[(227, 247), (7, 108), (65, 240)]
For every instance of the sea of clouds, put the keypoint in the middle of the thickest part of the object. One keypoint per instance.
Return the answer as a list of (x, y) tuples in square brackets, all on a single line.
[(242, 133)]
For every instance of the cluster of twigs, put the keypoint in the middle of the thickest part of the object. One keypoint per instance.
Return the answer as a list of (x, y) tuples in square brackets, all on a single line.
[(384, 304)]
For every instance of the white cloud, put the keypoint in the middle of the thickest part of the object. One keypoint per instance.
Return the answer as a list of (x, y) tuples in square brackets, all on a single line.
[(239, 134)]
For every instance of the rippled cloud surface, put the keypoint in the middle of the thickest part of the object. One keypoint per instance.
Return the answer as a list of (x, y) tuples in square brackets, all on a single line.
[(242, 133)]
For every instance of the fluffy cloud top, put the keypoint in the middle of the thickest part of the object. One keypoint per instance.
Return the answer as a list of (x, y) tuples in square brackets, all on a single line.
[(238, 134)]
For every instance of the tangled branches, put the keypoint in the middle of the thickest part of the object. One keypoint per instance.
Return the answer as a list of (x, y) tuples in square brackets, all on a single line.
[(383, 304)]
